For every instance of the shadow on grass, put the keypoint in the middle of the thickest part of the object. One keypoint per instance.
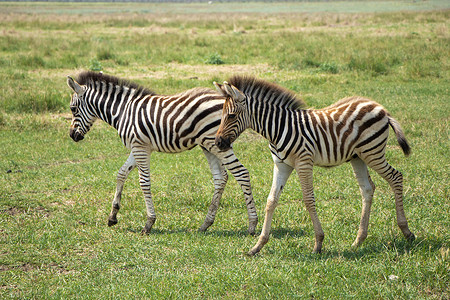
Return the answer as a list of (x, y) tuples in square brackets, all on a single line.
[(397, 246), (371, 249), (279, 233), (185, 230)]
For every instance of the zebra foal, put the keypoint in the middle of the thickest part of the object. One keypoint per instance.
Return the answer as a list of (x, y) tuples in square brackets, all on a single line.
[(148, 122), (352, 130)]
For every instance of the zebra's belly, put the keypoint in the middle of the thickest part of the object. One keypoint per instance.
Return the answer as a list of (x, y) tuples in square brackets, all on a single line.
[(328, 162)]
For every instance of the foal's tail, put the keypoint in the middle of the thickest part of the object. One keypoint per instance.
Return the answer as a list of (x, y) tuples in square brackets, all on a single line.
[(401, 139)]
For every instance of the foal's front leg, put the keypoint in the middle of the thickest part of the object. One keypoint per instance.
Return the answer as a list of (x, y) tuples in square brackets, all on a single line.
[(129, 165), (281, 173)]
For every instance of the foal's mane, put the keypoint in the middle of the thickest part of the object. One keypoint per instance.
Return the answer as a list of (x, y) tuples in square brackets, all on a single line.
[(87, 77), (268, 92)]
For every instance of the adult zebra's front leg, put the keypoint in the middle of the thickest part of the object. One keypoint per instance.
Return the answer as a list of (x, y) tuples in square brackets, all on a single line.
[(129, 165), (142, 158), (220, 178)]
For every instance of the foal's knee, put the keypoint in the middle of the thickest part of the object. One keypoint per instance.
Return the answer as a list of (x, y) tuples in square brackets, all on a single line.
[(271, 205)]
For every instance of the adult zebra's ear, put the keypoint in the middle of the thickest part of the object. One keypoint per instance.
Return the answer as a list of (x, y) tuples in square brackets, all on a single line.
[(77, 88), (234, 92)]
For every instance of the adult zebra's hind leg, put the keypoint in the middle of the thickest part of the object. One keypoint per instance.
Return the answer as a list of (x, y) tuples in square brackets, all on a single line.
[(367, 188), (395, 180), (220, 178), (129, 165)]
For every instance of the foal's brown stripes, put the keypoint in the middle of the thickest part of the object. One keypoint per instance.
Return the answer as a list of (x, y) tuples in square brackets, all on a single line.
[(354, 129)]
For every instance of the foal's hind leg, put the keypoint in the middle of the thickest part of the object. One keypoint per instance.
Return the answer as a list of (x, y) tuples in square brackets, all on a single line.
[(395, 180), (220, 178), (129, 165), (367, 188), (305, 173)]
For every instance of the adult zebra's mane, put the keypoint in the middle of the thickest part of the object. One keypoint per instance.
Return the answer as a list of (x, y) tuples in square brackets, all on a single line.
[(86, 77), (268, 92)]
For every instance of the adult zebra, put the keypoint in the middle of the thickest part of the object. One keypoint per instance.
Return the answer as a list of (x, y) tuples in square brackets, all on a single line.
[(148, 122), (353, 129)]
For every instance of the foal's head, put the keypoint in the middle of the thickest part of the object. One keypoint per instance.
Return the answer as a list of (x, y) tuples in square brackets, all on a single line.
[(235, 117)]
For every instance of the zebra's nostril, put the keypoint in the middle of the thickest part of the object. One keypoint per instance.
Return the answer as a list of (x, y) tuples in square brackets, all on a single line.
[(218, 141), (222, 143)]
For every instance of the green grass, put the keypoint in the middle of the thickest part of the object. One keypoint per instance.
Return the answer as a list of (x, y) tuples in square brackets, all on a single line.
[(55, 195)]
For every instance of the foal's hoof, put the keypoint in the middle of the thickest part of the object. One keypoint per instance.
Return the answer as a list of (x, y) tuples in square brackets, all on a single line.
[(146, 231), (205, 226), (252, 227), (148, 225), (112, 222), (317, 250), (411, 237)]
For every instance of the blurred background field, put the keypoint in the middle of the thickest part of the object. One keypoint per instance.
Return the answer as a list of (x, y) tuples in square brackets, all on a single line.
[(55, 195)]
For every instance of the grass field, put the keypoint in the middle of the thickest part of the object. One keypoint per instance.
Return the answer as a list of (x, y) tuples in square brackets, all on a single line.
[(55, 195)]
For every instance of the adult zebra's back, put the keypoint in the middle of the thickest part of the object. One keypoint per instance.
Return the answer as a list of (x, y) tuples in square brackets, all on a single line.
[(148, 122), (352, 130)]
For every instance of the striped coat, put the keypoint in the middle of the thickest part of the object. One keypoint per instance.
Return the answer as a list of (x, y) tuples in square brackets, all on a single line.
[(147, 122), (352, 130)]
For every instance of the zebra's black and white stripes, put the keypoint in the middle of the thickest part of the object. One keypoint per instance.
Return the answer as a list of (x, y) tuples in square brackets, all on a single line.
[(353, 129), (148, 122)]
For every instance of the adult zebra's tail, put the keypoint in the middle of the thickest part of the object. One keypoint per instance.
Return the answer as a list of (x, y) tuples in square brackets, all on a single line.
[(401, 139)]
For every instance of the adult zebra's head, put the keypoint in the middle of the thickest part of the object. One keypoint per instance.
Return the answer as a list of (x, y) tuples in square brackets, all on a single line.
[(82, 118), (235, 117)]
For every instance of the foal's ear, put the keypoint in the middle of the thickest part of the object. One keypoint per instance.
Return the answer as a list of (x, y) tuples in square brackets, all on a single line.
[(234, 92), (75, 86)]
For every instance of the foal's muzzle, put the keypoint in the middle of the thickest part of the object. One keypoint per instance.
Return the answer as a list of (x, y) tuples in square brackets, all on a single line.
[(75, 135), (222, 143)]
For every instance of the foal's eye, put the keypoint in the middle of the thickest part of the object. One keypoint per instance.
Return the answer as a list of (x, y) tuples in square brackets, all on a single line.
[(231, 116)]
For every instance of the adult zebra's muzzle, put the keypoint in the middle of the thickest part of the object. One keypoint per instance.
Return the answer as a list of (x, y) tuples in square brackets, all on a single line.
[(222, 143), (75, 135)]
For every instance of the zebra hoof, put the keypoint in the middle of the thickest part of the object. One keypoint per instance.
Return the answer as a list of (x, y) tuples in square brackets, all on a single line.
[(252, 252), (411, 237), (148, 226), (112, 222), (252, 227), (205, 226), (317, 251), (146, 231), (202, 229)]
